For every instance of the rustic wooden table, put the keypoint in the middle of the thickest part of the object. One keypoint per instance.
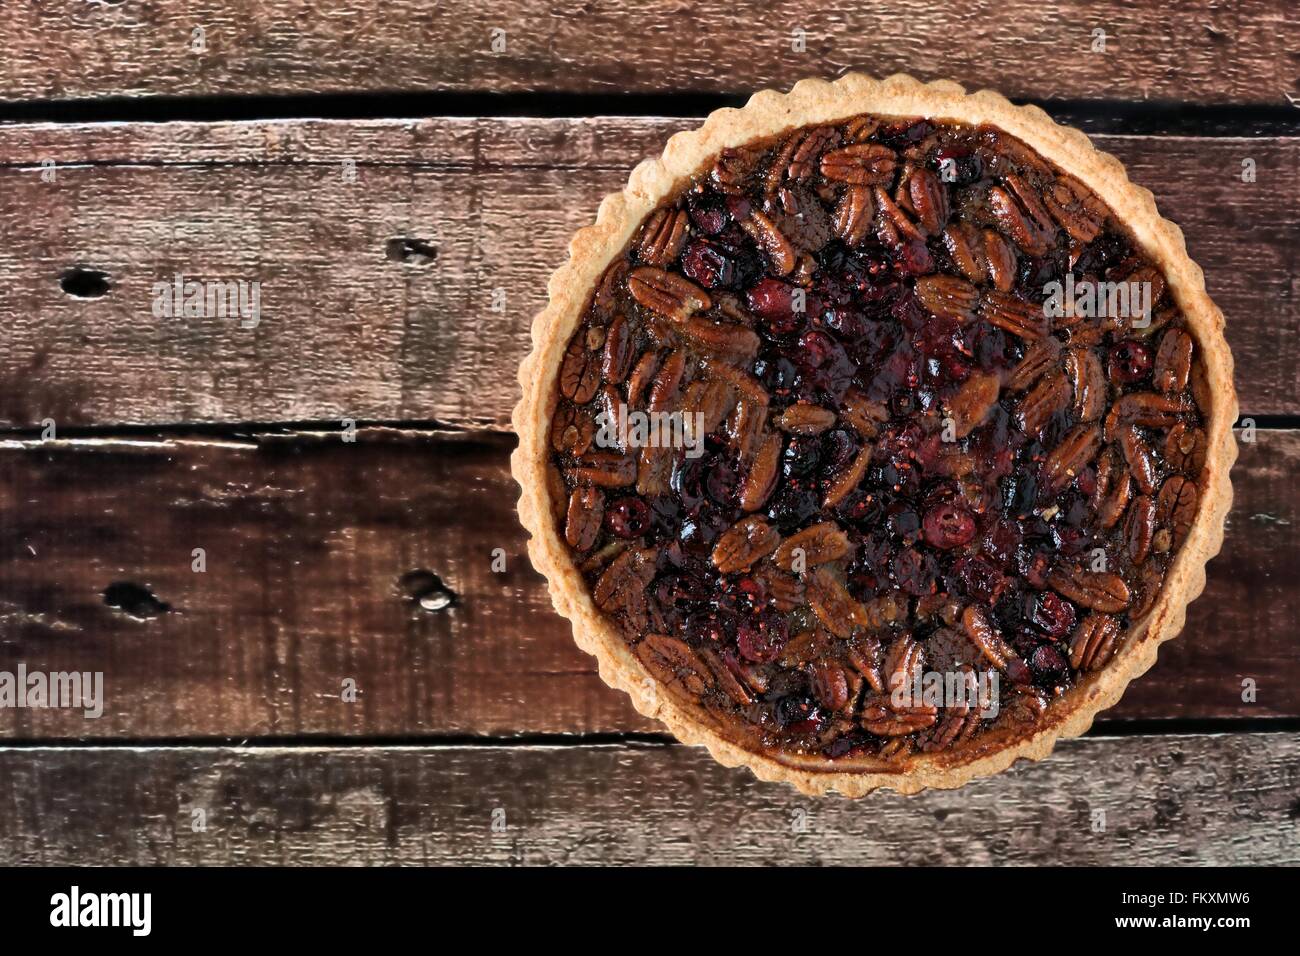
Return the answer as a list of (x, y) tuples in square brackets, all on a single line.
[(478, 732)]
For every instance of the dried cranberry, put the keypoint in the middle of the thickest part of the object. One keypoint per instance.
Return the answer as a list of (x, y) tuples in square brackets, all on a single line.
[(801, 457), (761, 639), (773, 301), (1053, 614), (627, 517), (1001, 542), (681, 591), (744, 596), (903, 521), (915, 572), (708, 213), (980, 580), (1048, 665), (949, 526), (958, 165), (704, 629), (798, 714), (1129, 362), (793, 504), (708, 265)]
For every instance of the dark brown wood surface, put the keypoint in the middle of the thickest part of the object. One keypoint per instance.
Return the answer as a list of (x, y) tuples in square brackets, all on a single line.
[(1176, 800), (307, 539), (1199, 51), (175, 435), (347, 331)]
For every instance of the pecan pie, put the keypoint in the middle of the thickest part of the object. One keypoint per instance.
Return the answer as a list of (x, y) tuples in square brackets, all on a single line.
[(876, 435)]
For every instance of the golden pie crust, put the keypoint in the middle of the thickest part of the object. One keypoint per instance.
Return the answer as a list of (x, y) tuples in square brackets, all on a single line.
[(769, 113)]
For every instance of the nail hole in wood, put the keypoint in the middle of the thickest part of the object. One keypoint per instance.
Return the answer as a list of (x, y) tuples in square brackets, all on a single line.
[(416, 252), (425, 590), (134, 599), (84, 283)]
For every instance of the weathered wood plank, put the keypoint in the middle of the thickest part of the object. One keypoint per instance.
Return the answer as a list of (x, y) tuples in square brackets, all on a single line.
[(1199, 51), (346, 331), (1223, 800), (307, 540)]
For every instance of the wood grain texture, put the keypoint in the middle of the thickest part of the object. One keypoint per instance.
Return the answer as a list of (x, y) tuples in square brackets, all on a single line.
[(307, 539), (1198, 51), (347, 331), (1176, 800)]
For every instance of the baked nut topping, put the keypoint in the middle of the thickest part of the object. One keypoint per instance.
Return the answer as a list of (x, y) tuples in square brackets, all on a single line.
[(936, 386)]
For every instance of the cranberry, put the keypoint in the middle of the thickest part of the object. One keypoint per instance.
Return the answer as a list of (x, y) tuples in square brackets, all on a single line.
[(794, 504), (704, 629), (801, 457), (681, 591), (1053, 614), (1001, 542), (903, 521), (721, 481), (838, 447), (773, 301), (958, 165), (798, 714), (628, 517), (980, 579), (708, 213), (915, 572), (761, 639), (1048, 665), (707, 265), (949, 526), (743, 596), (1129, 362)]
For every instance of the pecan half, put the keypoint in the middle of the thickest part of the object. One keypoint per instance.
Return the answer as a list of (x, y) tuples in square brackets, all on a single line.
[(1001, 260), (829, 684), (1013, 315), (819, 543), (663, 236), (769, 238), (973, 401), (1041, 402), (667, 293), (1094, 642), (833, 605), (673, 662), (760, 480), (1113, 490), (862, 164), (1088, 382), (985, 636), (1098, 590), (1173, 364), (1017, 222), (1139, 528), (745, 542), (572, 430), (727, 340), (880, 720), (804, 418), (966, 249), (853, 214), (1076, 450), (1076, 208), (617, 361), (1140, 457), (848, 479), (579, 371), (929, 199), (1176, 507), (1041, 355), (585, 513), (1185, 449), (947, 297)]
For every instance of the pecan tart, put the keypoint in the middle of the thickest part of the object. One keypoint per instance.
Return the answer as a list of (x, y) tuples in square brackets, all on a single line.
[(877, 434)]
